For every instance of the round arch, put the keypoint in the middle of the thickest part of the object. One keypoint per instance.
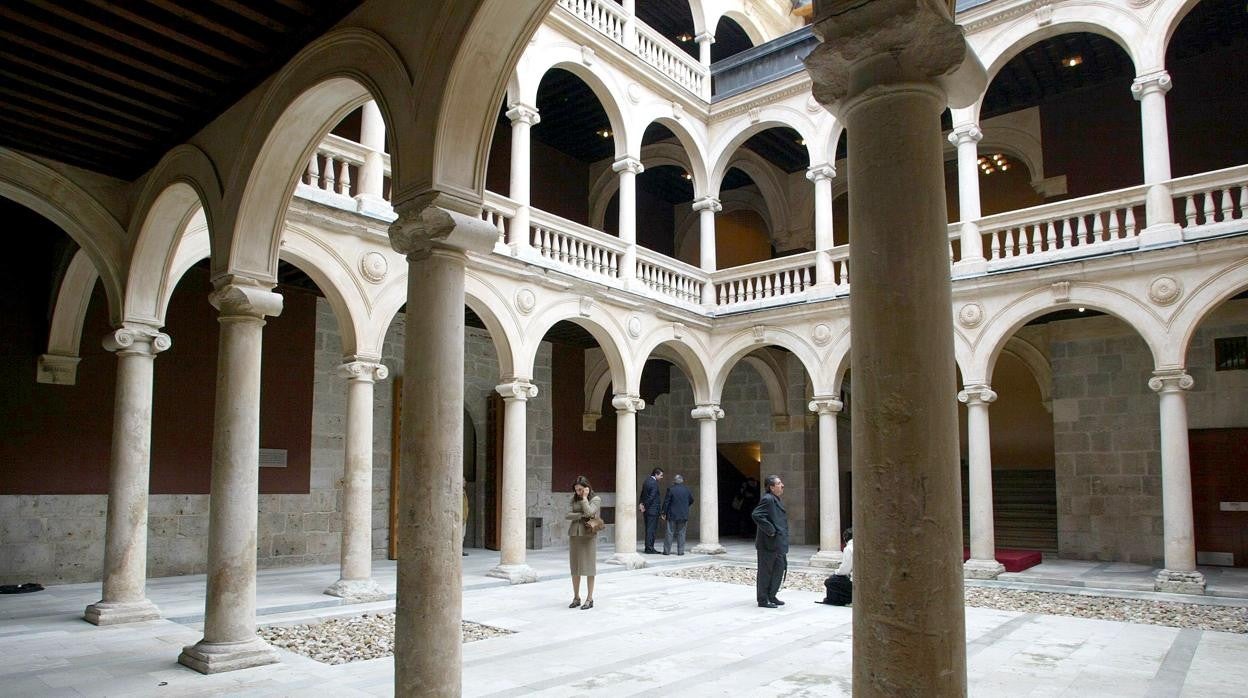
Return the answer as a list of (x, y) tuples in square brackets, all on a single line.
[(751, 339), (607, 183), (183, 185), (82, 217), (600, 81), (1208, 295), (1169, 17), (314, 91), (725, 148), (683, 351), (763, 174), (336, 279), (603, 327), (1041, 301), (694, 148), (747, 24)]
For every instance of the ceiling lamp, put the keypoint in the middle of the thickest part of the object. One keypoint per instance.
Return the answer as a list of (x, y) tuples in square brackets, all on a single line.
[(991, 163), (604, 132), (686, 176), (1072, 61), (684, 38)]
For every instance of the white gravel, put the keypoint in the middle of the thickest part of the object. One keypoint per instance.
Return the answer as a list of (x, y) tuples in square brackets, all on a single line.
[(353, 638), (1231, 619)]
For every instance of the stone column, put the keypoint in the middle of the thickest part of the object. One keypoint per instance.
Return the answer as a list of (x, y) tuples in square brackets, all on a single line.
[(822, 176), (708, 473), (1151, 91), (626, 408), (628, 167), (123, 599), (356, 577), (966, 138), (230, 640), (523, 118), (983, 561), (434, 231), (888, 68), (1180, 574), (705, 39), (511, 564), (370, 198), (707, 207), (829, 553), (630, 24)]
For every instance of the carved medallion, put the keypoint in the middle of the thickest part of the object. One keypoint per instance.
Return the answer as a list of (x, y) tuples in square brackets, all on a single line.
[(525, 301), (634, 326), (822, 334), (1165, 290), (374, 267), (634, 92), (971, 315)]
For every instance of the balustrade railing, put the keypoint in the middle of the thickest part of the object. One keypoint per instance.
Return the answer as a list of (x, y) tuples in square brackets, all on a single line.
[(575, 247), (335, 167), (670, 278), (840, 269), (1211, 203), (761, 282), (654, 49), (498, 211)]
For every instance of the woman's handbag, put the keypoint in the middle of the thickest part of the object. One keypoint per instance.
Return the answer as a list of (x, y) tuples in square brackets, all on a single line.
[(595, 524)]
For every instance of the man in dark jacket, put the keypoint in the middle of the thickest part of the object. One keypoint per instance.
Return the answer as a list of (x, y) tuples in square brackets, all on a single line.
[(651, 506), (676, 510), (772, 542)]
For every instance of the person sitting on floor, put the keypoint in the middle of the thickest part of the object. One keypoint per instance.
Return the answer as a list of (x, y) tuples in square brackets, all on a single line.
[(840, 585)]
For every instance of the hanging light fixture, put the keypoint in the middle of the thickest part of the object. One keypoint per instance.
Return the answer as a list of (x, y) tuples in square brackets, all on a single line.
[(604, 132)]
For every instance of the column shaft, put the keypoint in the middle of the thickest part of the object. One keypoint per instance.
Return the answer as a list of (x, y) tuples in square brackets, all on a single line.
[(512, 565), (1151, 90), (829, 553), (708, 478), (1179, 537), (628, 169), (966, 138), (428, 656), (707, 207), (908, 595), (626, 407), (522, 119), (230, 640), (983, 561), (824, 240), (123, 598), (372, 137)]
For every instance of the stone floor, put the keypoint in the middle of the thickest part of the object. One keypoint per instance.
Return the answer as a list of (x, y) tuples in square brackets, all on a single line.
[(646, 633)]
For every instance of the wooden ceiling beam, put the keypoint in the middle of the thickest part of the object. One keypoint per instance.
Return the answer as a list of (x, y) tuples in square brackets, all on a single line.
[(211, 25), (71, 113), (40, 68), (165, 30)]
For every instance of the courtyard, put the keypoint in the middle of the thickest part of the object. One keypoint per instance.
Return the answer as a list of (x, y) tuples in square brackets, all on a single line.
[(654, 629)]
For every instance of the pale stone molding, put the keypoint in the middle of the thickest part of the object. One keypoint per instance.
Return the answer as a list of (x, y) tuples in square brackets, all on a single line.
[(708, 203), (360, 370), (826, 171), (1171, 382), (965, 133), (825, 405), (523, 113), (977, 395), (629, 164), (517, 389), (628, 404), (57, 369), (711, 411), (238, 296), (1144, 85), (438, 221)]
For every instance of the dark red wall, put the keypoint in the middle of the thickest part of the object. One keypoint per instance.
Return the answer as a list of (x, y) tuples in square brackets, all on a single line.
[(55, 439), (576, 452)]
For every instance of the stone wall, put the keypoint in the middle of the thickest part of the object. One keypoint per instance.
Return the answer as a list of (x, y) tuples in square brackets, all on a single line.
[(1107, 430)]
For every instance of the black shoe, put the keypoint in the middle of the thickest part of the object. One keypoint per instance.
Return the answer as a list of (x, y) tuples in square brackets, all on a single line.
[(680, 553), (650, 551), (767, 604), (575, 602), (777, 602), (588, 605), (666, 553)]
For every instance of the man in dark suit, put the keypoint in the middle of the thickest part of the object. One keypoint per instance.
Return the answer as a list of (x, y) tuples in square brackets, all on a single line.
[(676, 510), (772, 542), (651, 506)]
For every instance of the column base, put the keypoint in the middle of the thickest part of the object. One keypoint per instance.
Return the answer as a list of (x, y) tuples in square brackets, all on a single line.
[(356, 590), (1161, 234), (970, 267), (516, 574), (1180, 582), (708, 549), (113, 613), (630, 561), (217, 657), (981, 569), (827, 558)]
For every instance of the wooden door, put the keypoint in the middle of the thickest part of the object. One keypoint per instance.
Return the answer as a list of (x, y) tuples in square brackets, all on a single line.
[(1220, 493), (494, 470)]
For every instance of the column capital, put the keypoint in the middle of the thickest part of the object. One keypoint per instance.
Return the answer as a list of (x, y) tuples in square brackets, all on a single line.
[(439, 221), (628, 404), (523, 113), (826, 405), (864, 45), (977, 395), (239, 296), (704, 38), (965, 133), (363, 371), (628, 163), (1158, 81), (137, 339), (517, 389), (822, 172), (706, 411), (1170, 381), (708, 203)]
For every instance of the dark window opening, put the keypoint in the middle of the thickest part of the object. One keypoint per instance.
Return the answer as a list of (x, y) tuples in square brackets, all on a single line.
[(1230, 354)]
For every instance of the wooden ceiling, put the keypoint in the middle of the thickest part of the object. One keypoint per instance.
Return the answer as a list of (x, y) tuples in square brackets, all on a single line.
[(111, 86)]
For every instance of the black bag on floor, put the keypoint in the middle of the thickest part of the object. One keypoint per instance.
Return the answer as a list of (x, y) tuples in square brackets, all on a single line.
[(840, 591)]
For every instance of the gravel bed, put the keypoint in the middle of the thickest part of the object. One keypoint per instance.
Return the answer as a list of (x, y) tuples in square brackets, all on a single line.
[(1229, 619), (353, 638)]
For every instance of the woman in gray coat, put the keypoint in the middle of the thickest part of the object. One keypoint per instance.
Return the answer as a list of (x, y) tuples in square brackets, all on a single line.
[(582, 542)]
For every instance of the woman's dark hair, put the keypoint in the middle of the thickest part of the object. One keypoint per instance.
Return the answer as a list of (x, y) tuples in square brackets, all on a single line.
[(583, 482)]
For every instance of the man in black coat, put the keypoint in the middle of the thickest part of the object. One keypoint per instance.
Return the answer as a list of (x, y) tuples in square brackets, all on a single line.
[(676, 510), (772, 542), (651, 506)]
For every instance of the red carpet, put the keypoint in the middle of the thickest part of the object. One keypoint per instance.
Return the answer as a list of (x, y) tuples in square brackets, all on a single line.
[(1014, 560)]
